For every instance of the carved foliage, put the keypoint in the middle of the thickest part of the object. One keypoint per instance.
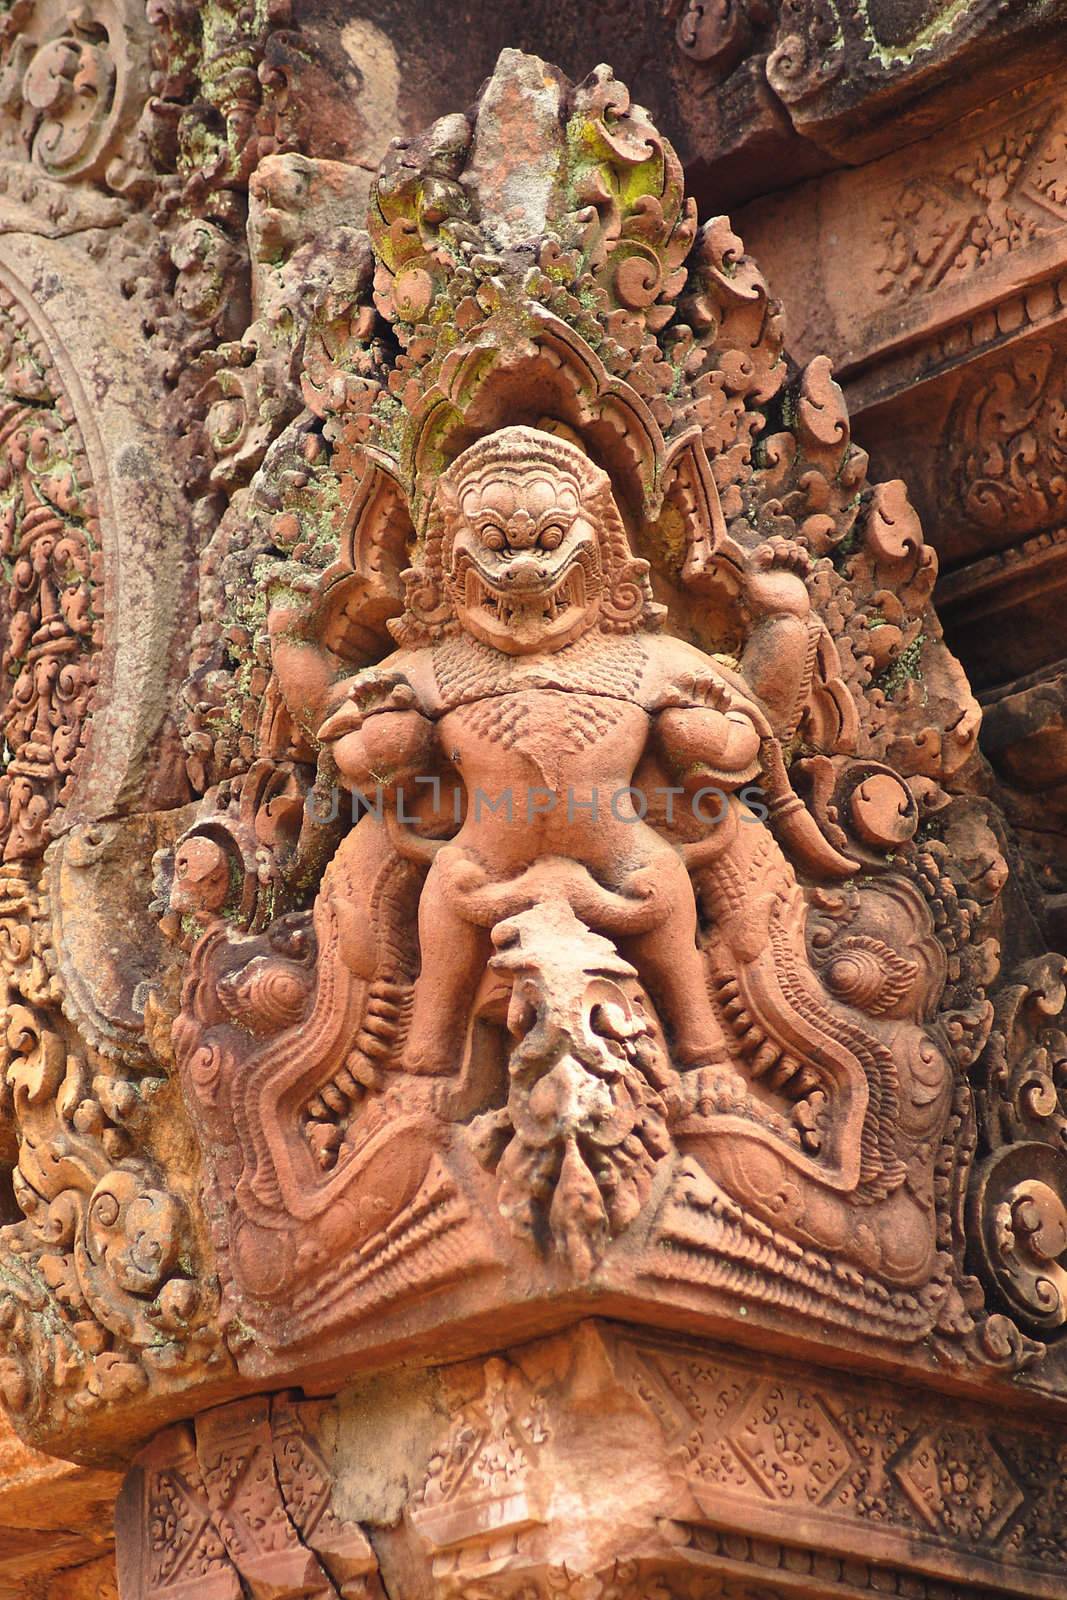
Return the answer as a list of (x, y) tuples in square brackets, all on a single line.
[(1019, 1202), (1006, 444), (968, 215), (49, 604), (73, 84), (99, 1296)]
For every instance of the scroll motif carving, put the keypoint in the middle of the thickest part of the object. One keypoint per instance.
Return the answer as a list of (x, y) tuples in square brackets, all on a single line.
[(135, 196), (1019, 1202), (73, 85), (98, 1297), (582, 892), (1008, 450), (99, 1258)]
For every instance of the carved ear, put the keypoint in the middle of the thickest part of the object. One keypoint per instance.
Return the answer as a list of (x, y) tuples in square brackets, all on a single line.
[(425, 598), (694, 494)]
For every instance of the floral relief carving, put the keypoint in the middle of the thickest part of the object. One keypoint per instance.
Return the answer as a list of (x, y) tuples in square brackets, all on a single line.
[(716, 1455), (99, 1257), (959, 1483), (49, 605), (791, 1444), (563, 890), (98, 1298), (969, 215), (1018, 1206), (242, 1503), (72, 83), (1008, 449), (126, 141), (585, 897), (955, 1478)]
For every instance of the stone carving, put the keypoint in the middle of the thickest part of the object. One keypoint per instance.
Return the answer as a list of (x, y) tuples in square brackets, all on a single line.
[(796, 88), (808, 52), (578, 897), (99, 1257), (572, 885), (73, 86), (637, 697), (731, 1474), (93, 1299), (716, 35), (98, 1296), (132, 201), (1019, 1201), (1006, 444), (485, 1477), (245, 1500), (1008, 193), (49, 622)]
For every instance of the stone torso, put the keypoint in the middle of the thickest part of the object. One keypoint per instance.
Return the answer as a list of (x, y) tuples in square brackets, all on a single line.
[(571, 724)]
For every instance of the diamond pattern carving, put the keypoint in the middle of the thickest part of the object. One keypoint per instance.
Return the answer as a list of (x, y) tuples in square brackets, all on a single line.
[(959, 1483), (791, 1444)]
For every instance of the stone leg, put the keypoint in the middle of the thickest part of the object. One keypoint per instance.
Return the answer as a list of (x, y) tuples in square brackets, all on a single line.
[(673, 971), (453, 953)]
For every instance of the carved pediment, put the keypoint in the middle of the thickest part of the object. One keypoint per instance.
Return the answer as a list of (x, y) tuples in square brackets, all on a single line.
[(583, 899), (645, 961)]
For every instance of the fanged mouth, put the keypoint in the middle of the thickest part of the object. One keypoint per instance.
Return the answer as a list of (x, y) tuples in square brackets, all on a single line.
[(511, 609)]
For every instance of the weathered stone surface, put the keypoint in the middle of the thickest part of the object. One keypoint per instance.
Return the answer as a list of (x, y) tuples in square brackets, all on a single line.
[(789, 998), (934, 277), (729, 1475), (493, 835), (769, 95), (52, 1517)]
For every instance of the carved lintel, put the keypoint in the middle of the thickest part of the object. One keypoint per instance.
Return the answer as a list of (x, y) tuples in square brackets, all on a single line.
[(615, 1463)]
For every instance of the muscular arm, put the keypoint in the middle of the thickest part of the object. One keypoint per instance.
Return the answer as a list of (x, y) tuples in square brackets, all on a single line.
[(705, 724), (775, 661), (704, 745), (319, 630), (309, 676), (387, 749)]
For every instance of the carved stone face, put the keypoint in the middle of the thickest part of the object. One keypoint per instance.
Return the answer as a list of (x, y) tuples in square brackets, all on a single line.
[(525, 572)]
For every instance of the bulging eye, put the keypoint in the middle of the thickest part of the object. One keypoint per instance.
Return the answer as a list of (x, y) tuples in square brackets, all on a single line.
[(552, 537), (493, 538)]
